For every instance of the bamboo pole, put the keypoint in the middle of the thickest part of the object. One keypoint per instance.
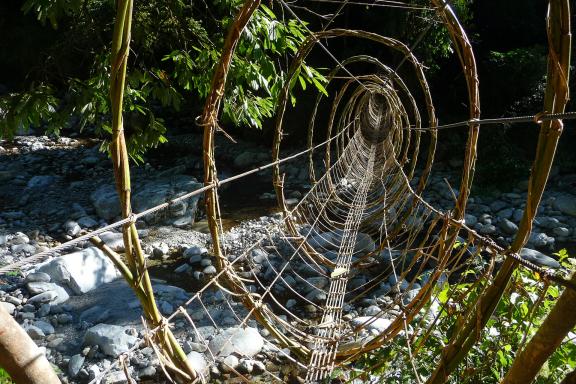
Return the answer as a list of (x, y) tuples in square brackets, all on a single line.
[(560, 321), (468, 62), (570, 378), (209, 120), (140, 280), (20, 356), (554, 101), (562, 318)]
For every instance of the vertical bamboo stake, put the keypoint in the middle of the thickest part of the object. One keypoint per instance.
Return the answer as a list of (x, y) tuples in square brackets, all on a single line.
[(466, 55), (210, 120), (20, 356), (570, 378), (554, 101), (560, 321), (140, 281), (562, 318), (210, 123)]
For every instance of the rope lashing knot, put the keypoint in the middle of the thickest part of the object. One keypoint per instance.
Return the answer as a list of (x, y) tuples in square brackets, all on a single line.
[(132, 217), (199, 123), (164, 322), (473, 121), (538, 117)]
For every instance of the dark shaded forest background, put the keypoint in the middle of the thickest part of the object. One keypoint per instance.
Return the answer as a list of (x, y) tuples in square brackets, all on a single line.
[(56, 55)]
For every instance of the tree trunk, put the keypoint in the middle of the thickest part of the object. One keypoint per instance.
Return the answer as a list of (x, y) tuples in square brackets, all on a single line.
[(555, 99), (549, 336), (570, 378), (20, 356)]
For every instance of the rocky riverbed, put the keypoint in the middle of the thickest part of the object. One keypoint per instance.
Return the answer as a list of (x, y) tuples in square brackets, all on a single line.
[(75, 306)]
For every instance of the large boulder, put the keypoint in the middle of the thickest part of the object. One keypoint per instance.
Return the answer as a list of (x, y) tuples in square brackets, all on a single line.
[(46, 293), (245, 342), (508, 227), (566, 204), (249, 159), (82, 271), (538, 258), (150, 194), (115, 240), (163, 190), (198, 363), (333, 240), (41, 181), (106, 202), (112, 339), (170, 292)]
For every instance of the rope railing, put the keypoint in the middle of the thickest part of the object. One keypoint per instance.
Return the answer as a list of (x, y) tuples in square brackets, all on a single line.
[(40, 256), (363, 262), (537, 119)]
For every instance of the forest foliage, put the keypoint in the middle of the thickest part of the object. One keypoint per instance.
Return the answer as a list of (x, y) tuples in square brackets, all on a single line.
[(175, 46), (58, 79)]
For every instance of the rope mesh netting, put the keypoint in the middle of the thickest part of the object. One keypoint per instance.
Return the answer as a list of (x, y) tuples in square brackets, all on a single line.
[(363, 279), (363, 268)]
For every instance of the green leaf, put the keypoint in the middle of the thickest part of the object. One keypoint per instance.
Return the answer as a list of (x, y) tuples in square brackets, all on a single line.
[(443, 295), (319, 86), (302, 82), (268, 11)]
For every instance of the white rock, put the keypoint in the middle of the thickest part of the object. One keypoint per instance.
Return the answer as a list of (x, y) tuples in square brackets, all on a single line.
[(37, 277), (47, 293), (243, 341), (230, 363), (246, 366), (198, 363), (115, 377), (75, 364), (20, 238), (112, 339), (115, 240), (194, 251), (72, 228), (82, 271), (372, 310), (377, 323)]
